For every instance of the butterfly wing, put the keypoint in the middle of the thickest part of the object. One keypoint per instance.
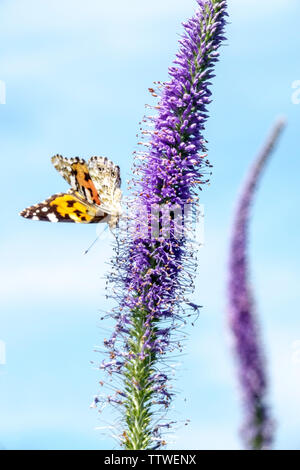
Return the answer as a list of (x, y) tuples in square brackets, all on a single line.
[(107, 181), (94, 184), (76, 173), (65, 207)]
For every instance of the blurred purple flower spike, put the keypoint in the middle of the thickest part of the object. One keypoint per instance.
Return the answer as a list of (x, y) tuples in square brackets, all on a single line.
[(258, 428)]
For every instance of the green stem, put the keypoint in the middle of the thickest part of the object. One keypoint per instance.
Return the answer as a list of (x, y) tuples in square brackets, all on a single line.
[(138, 387)]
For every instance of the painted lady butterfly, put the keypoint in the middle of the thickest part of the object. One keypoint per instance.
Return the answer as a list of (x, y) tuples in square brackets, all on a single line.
[(95, 194)]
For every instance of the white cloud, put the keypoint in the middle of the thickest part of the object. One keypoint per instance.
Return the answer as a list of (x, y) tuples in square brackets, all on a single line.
[(207, 437), (56, 272)]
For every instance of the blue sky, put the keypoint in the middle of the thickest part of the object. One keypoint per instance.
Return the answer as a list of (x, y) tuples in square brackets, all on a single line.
[(76, 77)]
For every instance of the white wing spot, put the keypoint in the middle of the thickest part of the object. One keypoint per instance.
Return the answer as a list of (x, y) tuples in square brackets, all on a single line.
[(52, 217)]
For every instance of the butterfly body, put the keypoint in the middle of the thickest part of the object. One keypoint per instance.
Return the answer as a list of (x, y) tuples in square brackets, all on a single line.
[(95, 194)]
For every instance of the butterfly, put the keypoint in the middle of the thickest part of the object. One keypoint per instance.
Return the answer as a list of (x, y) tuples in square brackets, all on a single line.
[(95, 194)]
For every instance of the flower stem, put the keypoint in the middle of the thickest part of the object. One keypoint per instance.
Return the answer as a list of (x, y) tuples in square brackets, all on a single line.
[(154, 274)]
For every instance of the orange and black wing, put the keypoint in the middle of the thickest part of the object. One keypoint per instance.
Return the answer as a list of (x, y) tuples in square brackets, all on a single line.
[(76, 173)]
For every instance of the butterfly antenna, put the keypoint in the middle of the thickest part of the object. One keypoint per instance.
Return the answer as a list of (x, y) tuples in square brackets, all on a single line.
[(117, 239), (91, 246)]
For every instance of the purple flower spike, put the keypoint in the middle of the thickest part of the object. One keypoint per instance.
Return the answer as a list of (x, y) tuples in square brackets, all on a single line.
[(258, 428), (155, 262)]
